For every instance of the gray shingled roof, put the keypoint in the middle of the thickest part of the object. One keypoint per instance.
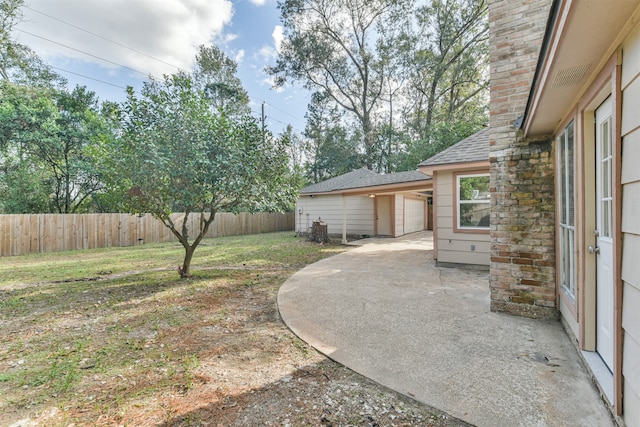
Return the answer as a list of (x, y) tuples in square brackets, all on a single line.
[(474, 148), (362, 178)]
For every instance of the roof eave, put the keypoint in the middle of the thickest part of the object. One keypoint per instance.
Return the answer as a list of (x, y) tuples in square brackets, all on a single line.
[(431, 169), (572, 56), (426, 184), (524, 121)]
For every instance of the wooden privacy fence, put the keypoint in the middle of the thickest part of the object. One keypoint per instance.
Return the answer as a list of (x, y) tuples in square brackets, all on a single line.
[(31, 233)]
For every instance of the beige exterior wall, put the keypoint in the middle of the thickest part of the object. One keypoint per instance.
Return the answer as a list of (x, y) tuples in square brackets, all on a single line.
[(360, 214), (414, 215), (451, 246), (398, 216), (329, 208), (630, 179)]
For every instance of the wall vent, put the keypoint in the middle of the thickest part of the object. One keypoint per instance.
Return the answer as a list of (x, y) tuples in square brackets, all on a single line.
[(570, 76)]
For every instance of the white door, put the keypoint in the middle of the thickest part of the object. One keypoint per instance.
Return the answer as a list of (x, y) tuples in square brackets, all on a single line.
[(383, 215), (413, 215), (604, 233)]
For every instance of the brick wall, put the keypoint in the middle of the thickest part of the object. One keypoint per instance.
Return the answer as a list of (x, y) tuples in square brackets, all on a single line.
[(522, 177)]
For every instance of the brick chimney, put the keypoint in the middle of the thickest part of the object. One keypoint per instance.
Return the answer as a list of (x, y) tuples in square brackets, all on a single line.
[(522, 171)]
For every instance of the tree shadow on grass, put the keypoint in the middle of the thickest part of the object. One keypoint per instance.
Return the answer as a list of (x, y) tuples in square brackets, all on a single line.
[(323, 394)]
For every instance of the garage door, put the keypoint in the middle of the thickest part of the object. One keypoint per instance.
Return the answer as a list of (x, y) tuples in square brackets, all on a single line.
[(413, 215)]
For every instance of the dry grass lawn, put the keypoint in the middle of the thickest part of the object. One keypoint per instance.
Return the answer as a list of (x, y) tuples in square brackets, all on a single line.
[(114, 337)]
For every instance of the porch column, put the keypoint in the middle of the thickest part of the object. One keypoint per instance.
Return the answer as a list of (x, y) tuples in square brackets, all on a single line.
[(344, 219)]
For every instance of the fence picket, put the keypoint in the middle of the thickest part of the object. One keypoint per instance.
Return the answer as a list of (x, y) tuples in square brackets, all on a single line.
[(32, 233)]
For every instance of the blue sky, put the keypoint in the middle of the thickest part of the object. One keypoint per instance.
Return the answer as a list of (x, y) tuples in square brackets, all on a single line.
[(119, 42)]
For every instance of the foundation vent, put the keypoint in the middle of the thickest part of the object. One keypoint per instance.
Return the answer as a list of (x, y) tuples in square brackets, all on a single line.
[(570, 76)]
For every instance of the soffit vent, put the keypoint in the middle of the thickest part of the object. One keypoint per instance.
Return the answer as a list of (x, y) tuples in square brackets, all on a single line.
[(570, 76)]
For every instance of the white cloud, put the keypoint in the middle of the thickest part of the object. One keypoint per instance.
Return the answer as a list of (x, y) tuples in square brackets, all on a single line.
[(267, 53), (258, 2), (278, 36), (270, 81), (239, 56), (227, 38), (169, 30)]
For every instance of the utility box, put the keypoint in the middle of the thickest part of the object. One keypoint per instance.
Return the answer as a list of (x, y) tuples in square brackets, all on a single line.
[(319, 233)]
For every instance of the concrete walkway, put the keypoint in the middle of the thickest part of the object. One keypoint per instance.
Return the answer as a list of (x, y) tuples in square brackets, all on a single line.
[(387, 312)]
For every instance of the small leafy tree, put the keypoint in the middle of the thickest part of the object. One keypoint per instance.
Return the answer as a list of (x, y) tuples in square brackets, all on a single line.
[(176, 154)]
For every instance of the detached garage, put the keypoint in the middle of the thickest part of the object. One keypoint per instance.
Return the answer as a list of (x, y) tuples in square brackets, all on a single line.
[(365, 203)]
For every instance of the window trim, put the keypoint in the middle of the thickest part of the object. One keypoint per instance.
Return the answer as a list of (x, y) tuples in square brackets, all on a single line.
[(456, 203), (567, 239)]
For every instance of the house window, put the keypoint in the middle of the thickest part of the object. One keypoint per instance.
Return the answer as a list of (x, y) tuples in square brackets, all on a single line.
[(566, 226), (473, 202)]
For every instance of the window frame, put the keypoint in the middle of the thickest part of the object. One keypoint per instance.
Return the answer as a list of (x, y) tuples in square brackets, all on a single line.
[(458, 228), (566, 167)]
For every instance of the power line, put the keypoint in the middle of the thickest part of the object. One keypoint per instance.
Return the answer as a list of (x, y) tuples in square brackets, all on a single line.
[(285, 124), (87, 77), (282, 111), (121, 65), (86, 53), (269, 118), (103, 38), (288, 114), (282, 123)]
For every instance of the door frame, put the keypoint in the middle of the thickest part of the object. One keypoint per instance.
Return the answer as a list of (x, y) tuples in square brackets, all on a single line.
[(392, 202), (600, 239), (606, 84)]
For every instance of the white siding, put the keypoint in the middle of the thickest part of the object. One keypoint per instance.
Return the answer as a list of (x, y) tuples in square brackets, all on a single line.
[(631, 228), (630, 108), (399, 215), (360, 215), (461, 248), (631, 365), (631, 150), (631, 208), (414, 211), (329, 209), (631, 51), (631, 406)]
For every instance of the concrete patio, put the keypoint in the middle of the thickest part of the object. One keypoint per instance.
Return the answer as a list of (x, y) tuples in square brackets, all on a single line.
[(386, 311)]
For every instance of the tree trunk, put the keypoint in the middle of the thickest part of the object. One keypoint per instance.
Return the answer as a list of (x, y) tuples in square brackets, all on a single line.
[(185, 270), (183, 237), (369, 140), (431, 101)]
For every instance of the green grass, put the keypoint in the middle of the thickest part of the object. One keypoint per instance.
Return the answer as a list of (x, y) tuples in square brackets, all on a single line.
[(262, 250), (96, 347)]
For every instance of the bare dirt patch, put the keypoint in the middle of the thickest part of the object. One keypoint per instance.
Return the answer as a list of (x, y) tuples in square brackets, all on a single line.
[(149, 349)]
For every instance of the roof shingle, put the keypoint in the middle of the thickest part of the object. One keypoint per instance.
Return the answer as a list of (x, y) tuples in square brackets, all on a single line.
[(362, 178), (473, 148)]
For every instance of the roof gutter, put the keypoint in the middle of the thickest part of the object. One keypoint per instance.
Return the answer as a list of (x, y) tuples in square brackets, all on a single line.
[(426, 183), (430, 169), (546, 42)]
